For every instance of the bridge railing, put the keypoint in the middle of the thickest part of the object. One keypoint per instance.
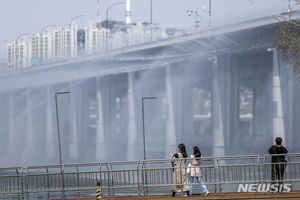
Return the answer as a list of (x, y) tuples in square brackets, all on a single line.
[(139, 178)]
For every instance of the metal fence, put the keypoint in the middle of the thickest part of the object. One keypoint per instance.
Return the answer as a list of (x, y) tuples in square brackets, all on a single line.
[(138, 178)]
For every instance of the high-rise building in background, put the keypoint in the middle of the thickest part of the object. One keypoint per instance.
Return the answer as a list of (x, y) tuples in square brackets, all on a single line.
[(95, 37), (55, 44), (42, 47), (65, 42), (51, 45), (19, 52)]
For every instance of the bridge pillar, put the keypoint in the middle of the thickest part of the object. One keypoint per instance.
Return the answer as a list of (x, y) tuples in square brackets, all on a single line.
[(107, 110), (50, 130), (73, 146), (29, 149), (170, 122), (100, 136), (234, 103), (132, 133), (279, 113), (4, 131), (11, 128), (180, 79), (115, 114), (290, 108), (220, 104)]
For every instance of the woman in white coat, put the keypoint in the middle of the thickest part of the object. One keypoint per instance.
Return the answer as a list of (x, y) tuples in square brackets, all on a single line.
[(180, 182), (195, 171)]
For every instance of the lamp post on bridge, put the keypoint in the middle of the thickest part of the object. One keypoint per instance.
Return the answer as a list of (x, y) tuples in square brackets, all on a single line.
[(106, 23), (109, 7), (143, 118), (70, 22), (45, 28), (19, 61), (151, 11)]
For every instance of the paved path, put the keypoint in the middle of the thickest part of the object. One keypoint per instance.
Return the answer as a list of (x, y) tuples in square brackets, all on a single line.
[(224, 196)]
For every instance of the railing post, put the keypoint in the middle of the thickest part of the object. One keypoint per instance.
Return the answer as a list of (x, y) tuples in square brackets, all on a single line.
[(138, 178), (26, 184), (22, 182), (143, 177), (264, 170), (112, 179), (108, 179), (18, 184), (78, 185), (48, 184), (63, 180), (215, 175), (219, 175)]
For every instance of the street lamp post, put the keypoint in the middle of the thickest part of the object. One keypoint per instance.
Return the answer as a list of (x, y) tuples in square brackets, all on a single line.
[(143, 117), (57, 120), (70, 23), (151, 11), (106, 23), (208, 11), (18, 60), (45, 28), (21, 36), (59, 143), (107, 10)]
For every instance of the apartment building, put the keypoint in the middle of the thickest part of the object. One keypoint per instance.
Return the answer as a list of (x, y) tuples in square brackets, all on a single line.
[(19, 52), (95, 37)]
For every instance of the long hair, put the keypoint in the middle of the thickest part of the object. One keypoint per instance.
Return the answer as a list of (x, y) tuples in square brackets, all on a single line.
[(182, 150), (197, 152)]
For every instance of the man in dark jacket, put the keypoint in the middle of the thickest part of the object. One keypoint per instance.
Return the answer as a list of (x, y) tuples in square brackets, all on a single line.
[(278, 169)]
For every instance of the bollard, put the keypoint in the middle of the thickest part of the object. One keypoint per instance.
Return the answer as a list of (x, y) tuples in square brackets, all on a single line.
[(99, 191)]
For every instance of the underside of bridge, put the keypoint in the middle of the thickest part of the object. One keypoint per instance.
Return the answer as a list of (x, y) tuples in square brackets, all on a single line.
[(229, 93)]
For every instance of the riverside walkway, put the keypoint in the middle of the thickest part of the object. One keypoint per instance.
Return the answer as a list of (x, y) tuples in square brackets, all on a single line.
[(149, 179), (295, 195)]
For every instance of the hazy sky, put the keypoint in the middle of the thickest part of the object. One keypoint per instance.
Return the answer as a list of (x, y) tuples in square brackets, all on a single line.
[(30, 16)]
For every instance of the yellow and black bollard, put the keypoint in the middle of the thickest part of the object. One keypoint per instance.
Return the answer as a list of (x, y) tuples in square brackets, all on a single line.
[(99, 191)]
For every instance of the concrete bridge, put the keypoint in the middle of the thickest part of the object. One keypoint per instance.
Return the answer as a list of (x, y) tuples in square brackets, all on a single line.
[(226, 89)]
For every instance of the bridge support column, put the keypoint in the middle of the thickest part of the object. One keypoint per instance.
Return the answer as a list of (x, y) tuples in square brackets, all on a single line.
[(29, 125), (291, 109), (234, 103), (11, 128), (100, 136), (170, 126), (4, 124), (220, 105), (73, 146), (279, 115), (132, 134), (50, 131)]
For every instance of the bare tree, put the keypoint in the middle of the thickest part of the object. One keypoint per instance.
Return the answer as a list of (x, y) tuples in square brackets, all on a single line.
[(287, 37)]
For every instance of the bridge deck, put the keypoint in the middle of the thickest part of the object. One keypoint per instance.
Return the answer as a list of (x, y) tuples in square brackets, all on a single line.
[(220, 196)]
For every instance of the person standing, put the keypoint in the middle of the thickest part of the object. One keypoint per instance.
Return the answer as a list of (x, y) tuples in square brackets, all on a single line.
[(278, 169), (195, 171), (180, 183)]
